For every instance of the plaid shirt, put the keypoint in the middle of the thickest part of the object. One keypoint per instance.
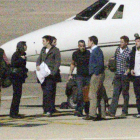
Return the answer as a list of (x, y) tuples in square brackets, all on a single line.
[(122, 60)]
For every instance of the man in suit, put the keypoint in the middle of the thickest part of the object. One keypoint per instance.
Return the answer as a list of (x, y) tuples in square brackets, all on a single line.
[(51, 56), (96, 71)]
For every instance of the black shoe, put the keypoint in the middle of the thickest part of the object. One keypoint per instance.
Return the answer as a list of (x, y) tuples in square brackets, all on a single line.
[(123, 115), (56, 111), (109, 114), (98, 119), (17, 116), (89, 118), (78, 114)]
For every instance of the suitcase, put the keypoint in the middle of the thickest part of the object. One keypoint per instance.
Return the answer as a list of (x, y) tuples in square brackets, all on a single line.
[(86, 93)]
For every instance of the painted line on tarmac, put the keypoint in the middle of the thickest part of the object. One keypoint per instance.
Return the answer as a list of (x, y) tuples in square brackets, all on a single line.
[(9, 122), (113, 138), (67, 123), (5, 98)]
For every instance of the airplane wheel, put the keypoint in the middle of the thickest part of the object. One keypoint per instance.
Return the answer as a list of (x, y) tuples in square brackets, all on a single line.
[(70, 102)]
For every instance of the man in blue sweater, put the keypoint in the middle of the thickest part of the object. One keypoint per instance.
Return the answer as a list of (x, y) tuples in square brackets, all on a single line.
[(96, 71)]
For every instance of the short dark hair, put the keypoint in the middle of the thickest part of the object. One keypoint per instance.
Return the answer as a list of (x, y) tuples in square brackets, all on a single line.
[(125, 38), (94, 39), (53, 38), (48, 38), (137, 38), (82, 41), (20, 46)]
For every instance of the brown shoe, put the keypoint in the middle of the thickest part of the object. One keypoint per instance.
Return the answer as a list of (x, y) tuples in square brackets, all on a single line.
[(57, 111), (88, 118), (109, 114), (123, 115)]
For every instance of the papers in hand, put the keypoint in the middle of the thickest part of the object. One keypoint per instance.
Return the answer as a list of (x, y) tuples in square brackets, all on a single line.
[(43, 72)]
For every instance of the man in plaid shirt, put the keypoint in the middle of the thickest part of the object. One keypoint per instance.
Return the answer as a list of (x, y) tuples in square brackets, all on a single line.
[(121, 79)]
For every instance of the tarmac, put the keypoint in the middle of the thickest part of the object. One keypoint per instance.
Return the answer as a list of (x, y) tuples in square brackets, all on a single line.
[(63, 125), (19, 17)]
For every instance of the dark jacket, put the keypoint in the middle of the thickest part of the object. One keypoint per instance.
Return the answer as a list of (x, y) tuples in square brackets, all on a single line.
[(18, 62), (96, 62), (52, 59), (132, 62), (132, 58)]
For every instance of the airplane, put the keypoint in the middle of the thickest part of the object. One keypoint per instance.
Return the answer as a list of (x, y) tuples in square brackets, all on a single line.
[(106, 19)]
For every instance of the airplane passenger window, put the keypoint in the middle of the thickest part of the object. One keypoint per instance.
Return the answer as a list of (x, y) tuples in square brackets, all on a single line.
[(91, 10), (119, 13), (103, 14)]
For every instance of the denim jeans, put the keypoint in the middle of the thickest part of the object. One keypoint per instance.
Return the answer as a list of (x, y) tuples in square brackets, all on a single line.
[(136, 85), (81, 82), (121, 85)]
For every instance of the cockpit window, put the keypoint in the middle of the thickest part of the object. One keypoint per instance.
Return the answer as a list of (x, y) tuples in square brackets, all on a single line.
[(103, 14), (119, 13), (91, 10)]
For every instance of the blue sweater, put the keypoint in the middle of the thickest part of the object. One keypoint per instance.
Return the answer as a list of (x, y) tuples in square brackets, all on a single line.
[(96, 62)]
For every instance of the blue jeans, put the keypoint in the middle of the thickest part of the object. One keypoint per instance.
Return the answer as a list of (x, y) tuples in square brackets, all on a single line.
[(136, 85), (121, 85), (81, 82)]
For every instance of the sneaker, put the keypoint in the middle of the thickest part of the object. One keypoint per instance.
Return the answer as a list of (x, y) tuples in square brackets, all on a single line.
[(78, 114), (123, 115), (48, 114), (109, 114), (137, 116)]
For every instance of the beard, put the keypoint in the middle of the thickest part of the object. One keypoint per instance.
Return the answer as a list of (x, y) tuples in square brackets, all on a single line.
[(82, 50), (138, 48)]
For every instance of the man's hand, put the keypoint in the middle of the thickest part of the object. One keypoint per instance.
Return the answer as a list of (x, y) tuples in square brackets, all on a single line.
[(70, 77), (23, 57), (38, 68), (132, 73)]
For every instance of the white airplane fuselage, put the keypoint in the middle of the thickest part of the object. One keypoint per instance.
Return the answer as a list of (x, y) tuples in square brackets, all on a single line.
[(69, 32)]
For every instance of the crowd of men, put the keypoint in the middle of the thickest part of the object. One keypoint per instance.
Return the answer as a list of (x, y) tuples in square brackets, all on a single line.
[(90, 72), (89, 78)]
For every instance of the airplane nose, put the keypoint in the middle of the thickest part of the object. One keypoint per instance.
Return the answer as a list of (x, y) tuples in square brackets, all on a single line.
[(9, 50)]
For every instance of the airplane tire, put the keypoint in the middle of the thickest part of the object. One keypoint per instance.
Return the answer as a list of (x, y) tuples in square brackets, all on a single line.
[(70, 102)]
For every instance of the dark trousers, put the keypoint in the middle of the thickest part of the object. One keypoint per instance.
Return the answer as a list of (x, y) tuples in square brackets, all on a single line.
[(136, 85), (121, 85), (86, 107), (49, 92), (81, 82), (17, 92)]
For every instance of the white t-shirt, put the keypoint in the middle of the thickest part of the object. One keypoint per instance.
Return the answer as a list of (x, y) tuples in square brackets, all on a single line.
[(121, 50), (137, 64), (47, 50)]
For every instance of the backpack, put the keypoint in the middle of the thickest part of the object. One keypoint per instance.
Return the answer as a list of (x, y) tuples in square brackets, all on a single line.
[(64, 105), (1, 59), (112, 64), (4, 71)]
